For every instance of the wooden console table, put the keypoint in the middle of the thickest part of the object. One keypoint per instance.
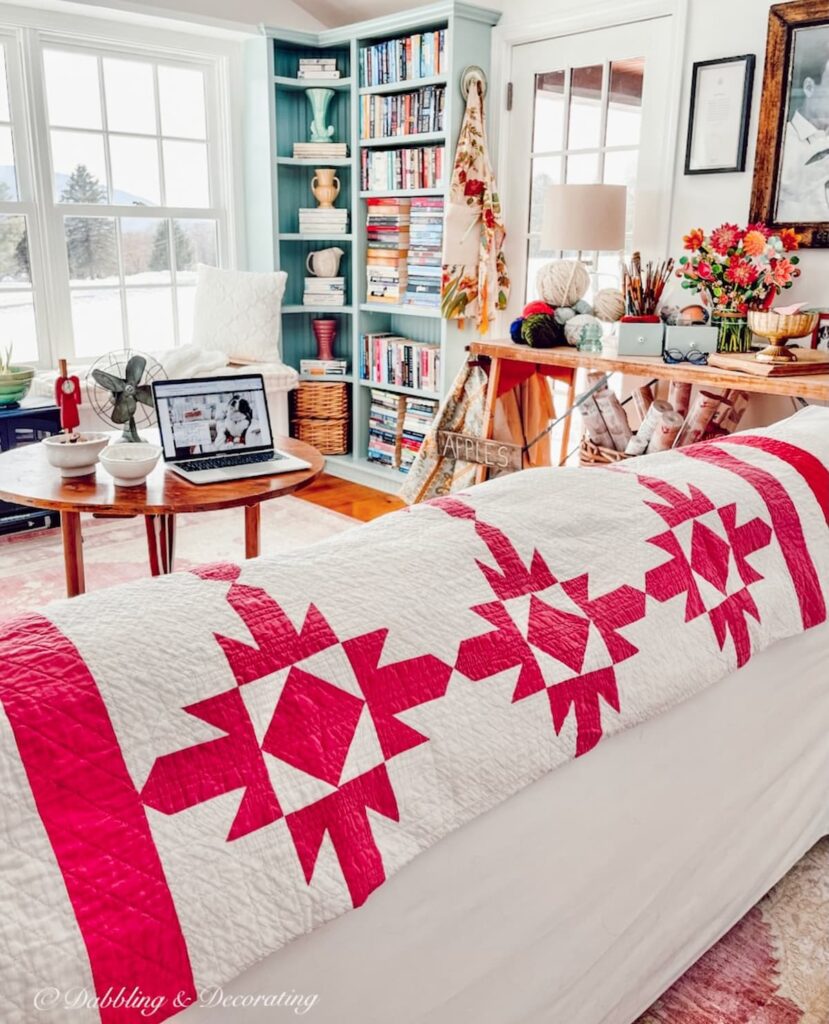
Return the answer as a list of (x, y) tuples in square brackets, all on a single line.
[(511, 364)]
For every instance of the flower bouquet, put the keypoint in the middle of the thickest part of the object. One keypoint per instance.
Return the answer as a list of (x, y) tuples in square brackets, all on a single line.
[(737, 270)]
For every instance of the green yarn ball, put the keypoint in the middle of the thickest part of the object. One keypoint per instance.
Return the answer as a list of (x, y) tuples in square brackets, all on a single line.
[(541, 331)]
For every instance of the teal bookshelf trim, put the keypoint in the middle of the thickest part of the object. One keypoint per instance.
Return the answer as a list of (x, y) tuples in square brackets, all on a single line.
[(295, 236), (331, 310), (400, 141), (409, 86), (285, 82), (332, 378), (320, 161), (395, 389), (390, 310), (402, 193)]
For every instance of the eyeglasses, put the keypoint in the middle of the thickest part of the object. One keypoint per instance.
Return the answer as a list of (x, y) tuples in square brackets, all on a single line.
[(694, 356)]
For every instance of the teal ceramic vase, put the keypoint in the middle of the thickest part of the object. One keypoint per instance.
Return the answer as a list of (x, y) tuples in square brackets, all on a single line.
[(320, 100)]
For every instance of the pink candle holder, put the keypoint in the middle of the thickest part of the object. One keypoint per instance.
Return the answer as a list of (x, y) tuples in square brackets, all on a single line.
[(325, 331)]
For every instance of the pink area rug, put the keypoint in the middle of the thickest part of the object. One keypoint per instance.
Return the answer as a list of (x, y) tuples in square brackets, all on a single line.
[(115, 550), (771, 968)]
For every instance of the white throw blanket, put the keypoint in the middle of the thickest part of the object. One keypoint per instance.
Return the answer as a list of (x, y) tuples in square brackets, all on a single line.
[(195, 770)]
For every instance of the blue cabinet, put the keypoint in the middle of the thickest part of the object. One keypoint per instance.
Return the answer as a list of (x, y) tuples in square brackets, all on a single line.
[(28, 423)]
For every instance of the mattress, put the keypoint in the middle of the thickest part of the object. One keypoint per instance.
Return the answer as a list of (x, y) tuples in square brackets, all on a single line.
[(584, 896)]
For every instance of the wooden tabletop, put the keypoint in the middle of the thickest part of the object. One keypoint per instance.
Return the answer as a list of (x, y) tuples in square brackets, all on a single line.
[(809, 386), (28, 478)]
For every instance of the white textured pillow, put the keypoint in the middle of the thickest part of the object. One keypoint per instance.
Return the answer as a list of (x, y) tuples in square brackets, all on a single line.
[(239, 313)]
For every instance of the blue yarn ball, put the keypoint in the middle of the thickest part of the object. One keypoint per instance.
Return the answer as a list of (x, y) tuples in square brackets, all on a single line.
[(584, 308), (515, 330)]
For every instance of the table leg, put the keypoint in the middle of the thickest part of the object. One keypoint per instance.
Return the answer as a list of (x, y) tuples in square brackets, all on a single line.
[(565, 436), (70, 530), (161, 542), (252, 531), (489, 410)]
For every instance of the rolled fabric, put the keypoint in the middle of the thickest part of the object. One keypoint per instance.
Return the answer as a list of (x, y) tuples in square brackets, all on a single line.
[(638, 444), (594, 425), (667, 429), (643, 400), (679, 395), (731, 410), (615, 418), (702, 412), (593, 378)]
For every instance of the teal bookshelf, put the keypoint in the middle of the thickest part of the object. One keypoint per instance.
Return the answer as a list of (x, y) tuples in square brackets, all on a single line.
[(277, 185)]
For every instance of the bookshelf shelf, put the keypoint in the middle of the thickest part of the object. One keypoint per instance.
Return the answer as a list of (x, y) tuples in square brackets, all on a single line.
[(328, 378), (331, 310), (286, 82), (398, 390), (398, 141), (409, 85), (320, 161), (295, 236), (402, 193), (392, 310)]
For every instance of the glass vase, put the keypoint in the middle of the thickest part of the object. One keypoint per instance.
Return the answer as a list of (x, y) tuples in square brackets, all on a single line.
[(734, 333)]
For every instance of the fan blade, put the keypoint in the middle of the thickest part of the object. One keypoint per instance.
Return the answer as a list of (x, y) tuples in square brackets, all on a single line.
[(144, 394), (135, 370), (106, 380), (124, 407)]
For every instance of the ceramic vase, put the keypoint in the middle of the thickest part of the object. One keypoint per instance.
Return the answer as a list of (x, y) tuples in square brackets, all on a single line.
[(325, 186), (324, 262), (320, 99), (325, 331)]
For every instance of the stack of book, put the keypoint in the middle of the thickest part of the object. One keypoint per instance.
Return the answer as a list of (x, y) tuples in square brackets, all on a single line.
[(389, 359), (418, 416), (323, 367), (320, 150), (321, 221), (421, 55), (318, 67), (324, 291), (387, 241), (425, 252), (407, 113), (384, 428), (417, 167)]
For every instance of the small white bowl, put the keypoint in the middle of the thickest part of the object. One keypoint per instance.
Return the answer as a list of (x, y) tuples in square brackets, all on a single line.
[(130, 463), (78, 457)]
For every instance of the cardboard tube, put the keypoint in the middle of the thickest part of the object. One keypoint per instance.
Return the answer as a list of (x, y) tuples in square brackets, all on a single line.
[(638, 444), (701, 414), (669, 425), (679, 395), (615, 418), (594, 425), (643, 400)]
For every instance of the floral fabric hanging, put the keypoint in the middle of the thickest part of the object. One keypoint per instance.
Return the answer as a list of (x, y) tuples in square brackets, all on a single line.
[(474, 281)]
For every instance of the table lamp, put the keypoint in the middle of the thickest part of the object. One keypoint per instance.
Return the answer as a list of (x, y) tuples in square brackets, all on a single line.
[(584, 218)]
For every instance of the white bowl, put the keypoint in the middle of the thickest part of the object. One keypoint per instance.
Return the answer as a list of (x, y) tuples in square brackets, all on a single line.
[(130, 463), (78, 457)]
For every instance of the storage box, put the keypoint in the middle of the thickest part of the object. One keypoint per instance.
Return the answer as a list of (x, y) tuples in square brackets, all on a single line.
[(685, 339), (640, 339)]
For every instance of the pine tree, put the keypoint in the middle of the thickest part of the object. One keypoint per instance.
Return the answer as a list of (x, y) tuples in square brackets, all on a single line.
[(160, 256), (12, 237), (90, 241)]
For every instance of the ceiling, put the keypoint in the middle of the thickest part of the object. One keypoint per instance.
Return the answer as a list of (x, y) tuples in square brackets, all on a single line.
[(343, 12)]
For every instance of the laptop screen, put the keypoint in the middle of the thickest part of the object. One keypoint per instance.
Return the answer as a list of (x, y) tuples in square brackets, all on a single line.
[(212, 415)]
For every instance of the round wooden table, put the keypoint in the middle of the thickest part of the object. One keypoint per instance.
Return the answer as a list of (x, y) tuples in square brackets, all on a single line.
[(27, 478)]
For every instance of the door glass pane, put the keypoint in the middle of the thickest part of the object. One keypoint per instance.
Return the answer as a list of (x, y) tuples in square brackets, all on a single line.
[(185, 174), (8, 175), (130, 96), (145, 250), (72, 89), (134, 165), (92, 250), (583, 169), (195, 242), (14, 252), (546, 172), (181, 96), (4, 87), (624, 108), (620, 168), (17, 325), (150, 317), (548, 120), (80, 168), (585, 121), (96, 321), (536, 258)]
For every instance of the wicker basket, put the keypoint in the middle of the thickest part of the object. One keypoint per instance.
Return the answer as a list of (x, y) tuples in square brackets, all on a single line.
[(592, 454), (329, 437), (319, 401)]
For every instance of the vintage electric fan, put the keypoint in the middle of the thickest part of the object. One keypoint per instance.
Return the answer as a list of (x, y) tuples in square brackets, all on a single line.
[(118, 386)]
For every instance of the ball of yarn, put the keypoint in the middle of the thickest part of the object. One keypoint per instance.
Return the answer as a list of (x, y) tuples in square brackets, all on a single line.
[(537, 307), (562, 282), (609, 305), (574, 327), (564, 313), (583, 307), (515, 329), (541, 331)]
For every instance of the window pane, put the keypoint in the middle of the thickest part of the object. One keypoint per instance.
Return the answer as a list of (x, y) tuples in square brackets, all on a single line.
[(72, 90), (186, 303), (80, 169), (150, 317), (17, 325), (584, 130), (185, 174), (548, 132), (96, 319), (145, 250), (195, 243), (134, 164), (546, 172), (92, 249), (181, 96), (624, 110), (14, 252), (4, 87), (130, 96), (583, 169), (8, 175)]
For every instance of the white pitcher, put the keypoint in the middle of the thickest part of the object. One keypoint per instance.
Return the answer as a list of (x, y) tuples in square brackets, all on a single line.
[(324, 262)]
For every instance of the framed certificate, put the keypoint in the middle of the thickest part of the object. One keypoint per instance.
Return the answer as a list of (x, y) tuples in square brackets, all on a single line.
[(721, 92)]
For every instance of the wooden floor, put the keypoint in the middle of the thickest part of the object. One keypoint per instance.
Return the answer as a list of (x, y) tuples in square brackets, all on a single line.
[(363, 503)]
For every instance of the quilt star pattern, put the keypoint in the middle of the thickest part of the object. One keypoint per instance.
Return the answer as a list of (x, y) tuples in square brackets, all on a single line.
[(297, 729)]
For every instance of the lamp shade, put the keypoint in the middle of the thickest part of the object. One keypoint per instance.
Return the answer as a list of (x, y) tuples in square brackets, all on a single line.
[(587, 218)]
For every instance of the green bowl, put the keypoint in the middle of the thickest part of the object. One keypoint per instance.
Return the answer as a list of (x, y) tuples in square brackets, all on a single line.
[(15, 384)]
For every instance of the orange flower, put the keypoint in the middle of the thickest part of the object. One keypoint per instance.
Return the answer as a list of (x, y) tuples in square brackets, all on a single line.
[(725, 237), (754, 243), (790, 239), (694, 239)]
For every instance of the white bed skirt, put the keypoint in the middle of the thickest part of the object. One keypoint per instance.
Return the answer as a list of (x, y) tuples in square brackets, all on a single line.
[(582, 898)]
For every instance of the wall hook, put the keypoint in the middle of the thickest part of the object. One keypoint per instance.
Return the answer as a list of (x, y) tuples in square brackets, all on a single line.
[(471, 74)]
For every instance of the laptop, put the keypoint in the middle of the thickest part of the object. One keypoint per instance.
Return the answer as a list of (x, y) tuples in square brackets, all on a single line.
[(216, 429)]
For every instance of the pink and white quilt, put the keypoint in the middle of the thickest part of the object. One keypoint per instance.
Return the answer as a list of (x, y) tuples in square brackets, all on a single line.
[(195, 770)]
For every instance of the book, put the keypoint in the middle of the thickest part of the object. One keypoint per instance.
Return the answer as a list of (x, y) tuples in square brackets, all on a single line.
[(420, 55), (400, 169), (323, 367), (407, 113)]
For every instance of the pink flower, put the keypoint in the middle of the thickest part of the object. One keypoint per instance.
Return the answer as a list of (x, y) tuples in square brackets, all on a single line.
[(741, 272), (727, 236), (780, 273), (705, 271)]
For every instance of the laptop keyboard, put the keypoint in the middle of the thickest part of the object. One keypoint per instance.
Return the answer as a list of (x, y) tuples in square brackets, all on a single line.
[(230, 460)]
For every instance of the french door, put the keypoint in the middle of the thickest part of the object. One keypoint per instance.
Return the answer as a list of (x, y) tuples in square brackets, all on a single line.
[(591, 107)]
